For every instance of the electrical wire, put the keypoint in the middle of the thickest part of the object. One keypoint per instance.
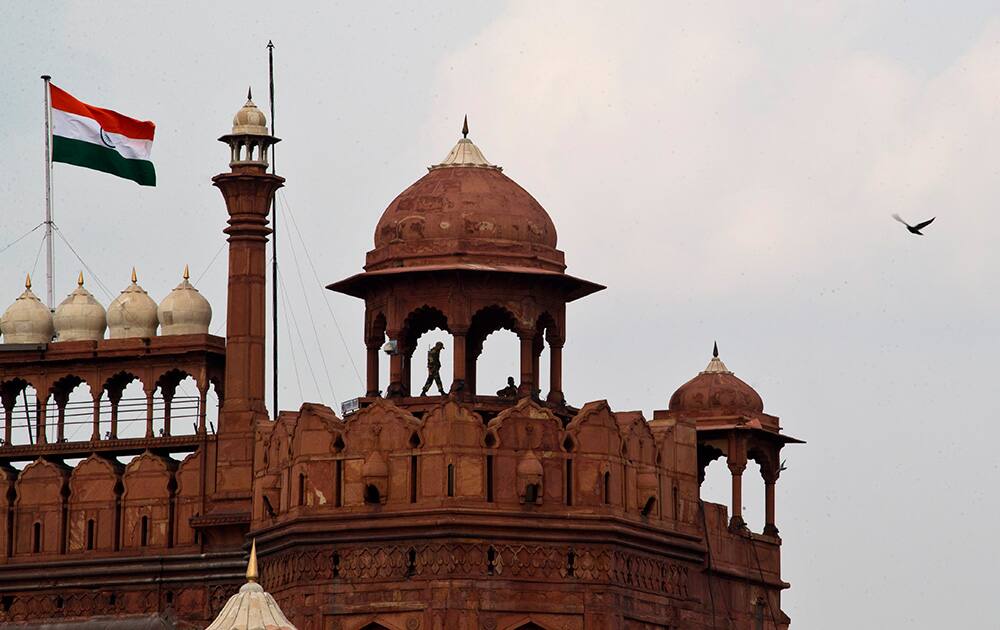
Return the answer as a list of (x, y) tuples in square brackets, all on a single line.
[(298, 332), (312, 320), (326, 300), (92, 273), (21, 238)]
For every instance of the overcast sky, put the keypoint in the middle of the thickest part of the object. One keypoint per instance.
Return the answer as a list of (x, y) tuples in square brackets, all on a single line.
[(728, 171)]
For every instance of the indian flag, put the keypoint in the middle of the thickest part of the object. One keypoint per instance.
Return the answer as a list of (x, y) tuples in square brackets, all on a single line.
[(101, 139)]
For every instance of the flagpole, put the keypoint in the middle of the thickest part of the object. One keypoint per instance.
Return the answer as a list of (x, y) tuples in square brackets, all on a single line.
[(274, 239), (49, 257)]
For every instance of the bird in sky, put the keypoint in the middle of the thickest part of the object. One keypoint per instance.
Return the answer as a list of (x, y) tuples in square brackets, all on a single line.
[(914, 229)]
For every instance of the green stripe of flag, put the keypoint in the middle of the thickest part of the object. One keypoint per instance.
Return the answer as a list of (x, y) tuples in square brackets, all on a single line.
[(88, 155)]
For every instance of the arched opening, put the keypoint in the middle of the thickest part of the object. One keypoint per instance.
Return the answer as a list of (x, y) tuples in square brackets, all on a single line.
[(492, 358), (372, 495), (78, 413), (753, 497), (422, 330), (144, 532), (302, 490), (127, 407), (36, 537), (176, 404), (451, 480), (90, 534), (21, 402), (545, 359), (607, 488), (374, 626), (717, 484), (213, 403)]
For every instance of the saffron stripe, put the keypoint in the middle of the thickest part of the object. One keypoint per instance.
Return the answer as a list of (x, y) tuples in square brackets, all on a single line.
[(106, 118), (81, 153)]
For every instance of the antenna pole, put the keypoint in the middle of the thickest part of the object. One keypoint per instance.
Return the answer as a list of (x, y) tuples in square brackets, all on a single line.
[(50, 262), (274, 241)]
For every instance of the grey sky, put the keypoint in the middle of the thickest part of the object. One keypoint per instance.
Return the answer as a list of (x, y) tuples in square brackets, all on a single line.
[(727, 170)]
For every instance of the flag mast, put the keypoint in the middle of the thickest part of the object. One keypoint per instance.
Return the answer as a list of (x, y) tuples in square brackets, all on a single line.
[(49, 257), (274, 240)]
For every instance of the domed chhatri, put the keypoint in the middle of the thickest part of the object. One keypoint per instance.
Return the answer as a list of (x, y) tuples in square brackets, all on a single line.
[(184, 311), (465, 210), (80, 317), (132, 313), (27, 320), (250, 120), (252, 608), (716, 389)]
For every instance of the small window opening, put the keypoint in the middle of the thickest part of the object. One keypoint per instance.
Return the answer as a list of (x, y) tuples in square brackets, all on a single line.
[(336, 564), (372, 495), (607, 488), (413, 478), (489, 478), (648, 507), (411, 562), (569, 482), (568, 444), (90, 535), (490, 440), (144, 532), (570, 563), (338, 483), (491, 560), (451, 480), (677, 503), (531, 493), (302, 489), (36, 538), (338, 444), (414, 440)]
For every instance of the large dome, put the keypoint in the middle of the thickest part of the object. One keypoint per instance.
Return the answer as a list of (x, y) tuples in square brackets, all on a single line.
[(465, 210), (716, 390)]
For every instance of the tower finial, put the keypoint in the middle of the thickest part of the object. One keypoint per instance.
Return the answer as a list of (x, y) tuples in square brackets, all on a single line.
[(715, 350), (187, 274), (27, 281), (79, 280), (134, 277), (465, 127), (252, 574), (249, 93)]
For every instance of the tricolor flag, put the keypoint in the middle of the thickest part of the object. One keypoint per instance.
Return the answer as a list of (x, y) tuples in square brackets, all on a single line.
[(101, 139)]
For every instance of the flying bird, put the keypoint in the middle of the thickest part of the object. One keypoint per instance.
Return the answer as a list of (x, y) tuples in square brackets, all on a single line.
[(914, 229)]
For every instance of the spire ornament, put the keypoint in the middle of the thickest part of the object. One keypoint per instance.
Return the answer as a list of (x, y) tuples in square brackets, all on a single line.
[(715, 349), (79, 280), (252, 573), (465, 127), (27, 281), (135, 278)]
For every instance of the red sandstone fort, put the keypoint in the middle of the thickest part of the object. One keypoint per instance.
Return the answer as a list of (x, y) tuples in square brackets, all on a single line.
[(524, 511)]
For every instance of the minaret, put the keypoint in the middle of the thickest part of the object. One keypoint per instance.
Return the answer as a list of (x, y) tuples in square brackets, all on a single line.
[(248, 189)]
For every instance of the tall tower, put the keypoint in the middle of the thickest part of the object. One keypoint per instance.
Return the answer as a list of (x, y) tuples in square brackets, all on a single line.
[(248, 190)]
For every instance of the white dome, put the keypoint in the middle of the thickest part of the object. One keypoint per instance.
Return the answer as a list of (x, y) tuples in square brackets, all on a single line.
[(184, 311), (132, 314), (80, 316), (27, 320)]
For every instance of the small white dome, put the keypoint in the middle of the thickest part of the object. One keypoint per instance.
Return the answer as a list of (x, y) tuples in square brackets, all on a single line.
[(132, 314), (184, 311), (250, 120), (27, 320), (80, 316)]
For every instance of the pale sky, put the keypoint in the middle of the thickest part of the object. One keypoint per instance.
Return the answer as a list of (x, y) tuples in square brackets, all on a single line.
[(727, 170)]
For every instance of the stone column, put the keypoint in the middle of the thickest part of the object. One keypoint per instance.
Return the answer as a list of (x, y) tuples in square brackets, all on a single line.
[(202, 411), (395, 389), (115, 399), (770, 478), (737, 468), (458, 362), (372, 370), (41, 409), (555, 374), (406, 376), (61, 419), (8, 421), (527, 387), (96, 433), (149, 413)]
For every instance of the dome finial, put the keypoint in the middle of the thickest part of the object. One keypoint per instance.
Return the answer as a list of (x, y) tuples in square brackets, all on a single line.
[(27, 281), (135, 278), (252, 574), (715, 350), (249, 93), (465, 127), (187, 274), (79, 280)]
